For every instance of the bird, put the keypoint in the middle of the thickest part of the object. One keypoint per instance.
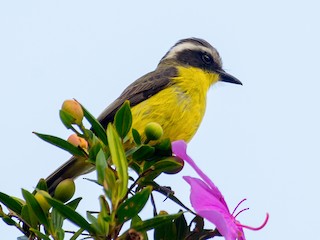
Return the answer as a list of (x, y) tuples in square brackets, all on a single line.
[(173, 95)]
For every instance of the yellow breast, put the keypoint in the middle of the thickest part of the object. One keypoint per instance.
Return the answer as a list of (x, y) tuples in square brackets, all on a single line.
[(179, 108)]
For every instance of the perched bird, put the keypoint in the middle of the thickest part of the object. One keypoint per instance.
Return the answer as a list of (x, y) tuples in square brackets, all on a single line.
[(173, 95)]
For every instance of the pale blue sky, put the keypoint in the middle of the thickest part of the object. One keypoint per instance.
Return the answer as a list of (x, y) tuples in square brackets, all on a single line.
[(259, 141)]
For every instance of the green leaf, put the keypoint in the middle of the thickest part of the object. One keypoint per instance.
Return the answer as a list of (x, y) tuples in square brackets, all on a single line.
[(66, 119), (59, 233), (8, 221), (166, 230), (94, 150), (96, 126), (57, 218), (70, 214), (203, 234), (144, 152), (74, 203), (104, 217), (163, 148), (77, 234), (28, 216), (119, 160), (152, 223), (101, 164), (110, 186), (123, 119), (11, 203), (136, 136), (94, 222), (39, 234), (61, 143), (181, 226), (135, 221), (36, 208), (166, 165), (42, 185), (132, 206)]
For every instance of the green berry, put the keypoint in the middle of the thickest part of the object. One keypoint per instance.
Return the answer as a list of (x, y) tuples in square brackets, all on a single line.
[(65, 190), (153, 131), (40, 197)]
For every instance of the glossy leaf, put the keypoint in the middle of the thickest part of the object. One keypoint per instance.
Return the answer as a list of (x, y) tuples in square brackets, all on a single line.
[(133, 205), (136, 136), (74, 203), (166, 230), (42, 185), (135, 221), (165, 165), (181, 226), (11, 203), (94, 150), (28, 216), (163, 148), (70, 214), (57, 218), (39, 234), (152, 223), (77, 234), (61, 143), (66, 119), (101, 164), (96, 126), (8, 220), (144, 152), (110, 186), (104, 216), (94, 222), (203, 234), (36, 208), (119, 160), (123, 119)]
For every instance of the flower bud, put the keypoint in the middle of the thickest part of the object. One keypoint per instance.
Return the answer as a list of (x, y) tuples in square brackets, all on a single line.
[(153, 131), (162, 212), (77, 141), (40, 197), (65, 190), (74, 109)]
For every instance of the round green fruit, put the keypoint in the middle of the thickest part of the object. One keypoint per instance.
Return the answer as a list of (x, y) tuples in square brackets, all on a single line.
[(153, 131), (65, 190)]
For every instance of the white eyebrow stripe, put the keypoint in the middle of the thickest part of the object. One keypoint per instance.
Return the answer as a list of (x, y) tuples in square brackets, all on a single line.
[(183, 46), (191, 46)]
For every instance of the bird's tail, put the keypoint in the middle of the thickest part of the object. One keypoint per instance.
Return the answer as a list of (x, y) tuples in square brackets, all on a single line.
[(73, 168)]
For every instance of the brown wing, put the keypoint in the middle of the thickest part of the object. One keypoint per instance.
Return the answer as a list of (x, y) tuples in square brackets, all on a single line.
[(140, 90)]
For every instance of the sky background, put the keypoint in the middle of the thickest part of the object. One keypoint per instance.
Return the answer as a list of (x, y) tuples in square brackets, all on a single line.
[(258, 141)]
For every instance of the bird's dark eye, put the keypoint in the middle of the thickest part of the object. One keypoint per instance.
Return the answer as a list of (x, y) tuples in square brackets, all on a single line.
[(207, 59)]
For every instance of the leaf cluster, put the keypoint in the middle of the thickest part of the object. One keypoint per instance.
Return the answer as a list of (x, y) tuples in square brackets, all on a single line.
[(113, 151)]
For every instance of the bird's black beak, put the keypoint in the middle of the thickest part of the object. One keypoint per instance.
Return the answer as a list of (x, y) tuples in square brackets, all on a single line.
[(226, 77)]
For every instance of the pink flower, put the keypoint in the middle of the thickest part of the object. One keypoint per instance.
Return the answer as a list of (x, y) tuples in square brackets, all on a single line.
[(208, 201)]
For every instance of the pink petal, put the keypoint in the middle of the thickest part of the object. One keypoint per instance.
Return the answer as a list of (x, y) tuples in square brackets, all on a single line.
[(227, 230), (201, 195), (179, 148), (210, 208)]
